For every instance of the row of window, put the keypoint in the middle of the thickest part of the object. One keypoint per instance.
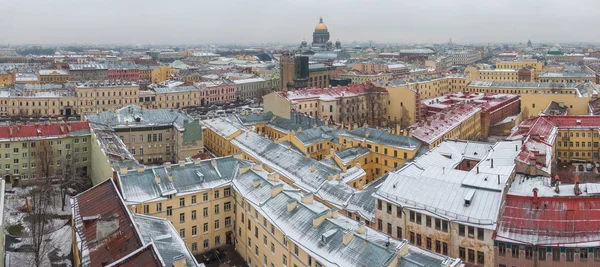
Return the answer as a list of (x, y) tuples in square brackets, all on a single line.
[(543, 251), (570, 144)]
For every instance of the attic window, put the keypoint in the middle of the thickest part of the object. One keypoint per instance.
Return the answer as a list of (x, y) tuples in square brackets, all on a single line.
[(578, 122)]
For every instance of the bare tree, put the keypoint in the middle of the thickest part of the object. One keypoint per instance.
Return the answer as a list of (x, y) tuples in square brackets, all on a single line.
[(71, 177)]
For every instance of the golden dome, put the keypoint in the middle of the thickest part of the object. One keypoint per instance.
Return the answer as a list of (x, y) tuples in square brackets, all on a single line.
[(321, 26)]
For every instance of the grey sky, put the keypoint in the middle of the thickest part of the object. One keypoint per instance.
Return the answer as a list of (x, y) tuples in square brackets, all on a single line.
[(289, 21)]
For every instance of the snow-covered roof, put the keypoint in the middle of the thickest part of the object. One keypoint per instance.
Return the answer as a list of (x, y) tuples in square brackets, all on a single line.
[(135, 116), (434, 184)]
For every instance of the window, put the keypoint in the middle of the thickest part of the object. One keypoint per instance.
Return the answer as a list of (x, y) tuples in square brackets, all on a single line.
[(217, 209), (205, 197), (227, 221), (471, 232), (194, 247), (146, 209), (216, 194), (194, 230), (379, 225), (227, 206), (501, 249), (169, 211), (295, 250), (205, 243), (515, 251), (399, 232), (461, 230), (438, 224), (379, 203), (226, 192), (428, 243), (556, 254), (480, 234), (596, 253), (158, 207), (445, 226), (181, 217), (412, 237), (471, 256), (398, 212), (570, 254), (389, 208), (419, 240), (462, 253), (542, 253), (193, 215), (193, 199), (205, 227), (272, 247), (389, 229), (445, 248), (217, 240), (217, 226), (205, 212), (182, 233), (528, 252), (480, 258), (182, 202), (284, 260)]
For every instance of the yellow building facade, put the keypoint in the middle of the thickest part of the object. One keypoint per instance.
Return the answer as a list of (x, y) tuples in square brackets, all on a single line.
[(93, 97), (520, 64)]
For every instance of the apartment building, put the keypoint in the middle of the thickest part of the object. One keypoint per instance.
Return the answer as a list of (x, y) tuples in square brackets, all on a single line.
[(20, 146), (196, 197), (464, 57), (518, 64), (53, 76), (478, 73), (6, 78), (535, 96), (216, 92), (360, 103), (176, 97), (567, 77), (457, 216), (152, 135), (19, 102), (280, 227), (88, 72), (461, 122), (105, 96)]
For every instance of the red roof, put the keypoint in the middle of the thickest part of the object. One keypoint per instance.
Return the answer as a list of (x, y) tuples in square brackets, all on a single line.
[(43, 130), (146, 257), (94, 212), (552, 220)]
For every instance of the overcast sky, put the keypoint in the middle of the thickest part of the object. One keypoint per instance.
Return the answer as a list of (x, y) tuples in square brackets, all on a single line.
[(289, 21)]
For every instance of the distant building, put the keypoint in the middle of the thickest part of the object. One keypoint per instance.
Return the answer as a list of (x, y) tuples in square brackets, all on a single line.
[(88, 72), (53, 76), (464, 57)]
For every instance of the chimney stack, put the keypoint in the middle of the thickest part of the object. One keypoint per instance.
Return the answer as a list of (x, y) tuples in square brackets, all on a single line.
[(577, 190), (536, 201)]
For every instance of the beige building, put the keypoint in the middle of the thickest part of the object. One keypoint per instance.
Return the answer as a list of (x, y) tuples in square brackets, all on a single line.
[(96, 97), (175, 97), (57, 103), (359, 103), (567, 77), (488, 74), (362, 78), (152, 135), (535, 96), (405, 95), (448, 201), (519, 64), (53, 76)]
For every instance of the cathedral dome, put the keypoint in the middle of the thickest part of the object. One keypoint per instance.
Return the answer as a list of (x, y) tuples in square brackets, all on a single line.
[(321, 26)]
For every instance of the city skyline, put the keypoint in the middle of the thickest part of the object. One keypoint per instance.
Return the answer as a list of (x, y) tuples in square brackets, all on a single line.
[(239, 22)]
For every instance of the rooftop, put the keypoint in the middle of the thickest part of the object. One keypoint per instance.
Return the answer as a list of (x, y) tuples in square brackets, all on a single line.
[(567, 75), (54, 72), (448, 187), (383, 137), (135, 116), (330, 94), (44, 130), (439, 124)]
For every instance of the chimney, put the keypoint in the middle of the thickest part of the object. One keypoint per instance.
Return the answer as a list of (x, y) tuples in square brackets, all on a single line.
[(179, 261), (536, 201), (258, 167), (62, 128), (329, 178), (348, 235), (314, 126), (69, 126), (326, 122), (307, 198), (338, 177), (428, 123), (213, 163), (398, 131), (10, 129), (157, 179), (197, 161), (577, 190), (256, 183), (312, 168), (319, 218), (168, 165), (498, 178), (300, 129), (276, 190), (170, 177), (181, 163), (140, 169), (123, 170), (291, 205), (334, 214), (133, 209), (557, 181), (362, 228)]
